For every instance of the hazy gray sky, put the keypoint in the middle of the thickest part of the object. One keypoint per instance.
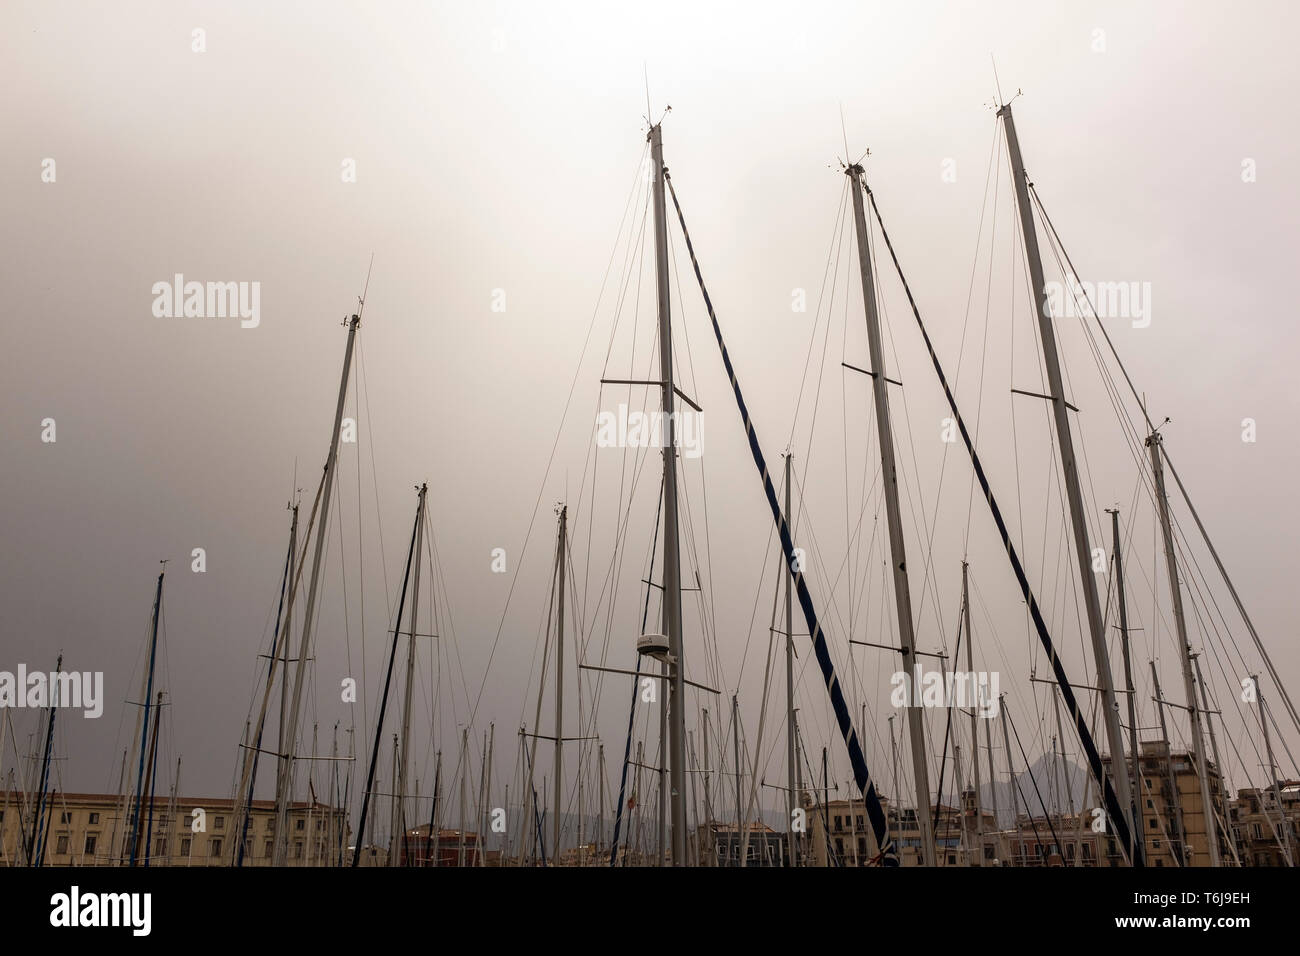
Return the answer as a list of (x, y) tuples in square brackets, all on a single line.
[(494, 147)]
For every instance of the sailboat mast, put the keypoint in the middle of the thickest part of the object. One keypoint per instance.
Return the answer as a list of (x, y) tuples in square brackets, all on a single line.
[(253, 753), (365, 819), (1065, 770), (993, 780), (735, 736), (708, 775), (1135, 750), (1011, 767), (662, 834), (672, 583), (285, 781), (430, 845), (1074, 492), (1214, 752), (487, 792), (897, 549), (1283, 832), (464, 794), (789, 682), (39, 813), (974, 720), (1176, 818), (896, 795), (144, 732), (144, 837), (600, 769), (559, 687), (1154, 444), (404, 766)]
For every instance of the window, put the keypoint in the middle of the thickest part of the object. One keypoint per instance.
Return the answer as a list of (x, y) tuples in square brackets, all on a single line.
[(269, 850), (185, 846), (62, 846), (270, 824), (952, 858), (838, 826), (1155, 844), (297, 850), (160, 846), (65, 817), (216, 847), (1160, 862), (90, 840), (94, 818), (221, 823), (299, 824), (317, 824), (1152, 824), (1150, 805)]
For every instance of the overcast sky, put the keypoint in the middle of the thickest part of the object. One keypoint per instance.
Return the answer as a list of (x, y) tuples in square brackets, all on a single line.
[(494, 148)]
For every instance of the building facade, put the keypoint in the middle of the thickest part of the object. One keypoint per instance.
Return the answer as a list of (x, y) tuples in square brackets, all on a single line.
[(88, 829)]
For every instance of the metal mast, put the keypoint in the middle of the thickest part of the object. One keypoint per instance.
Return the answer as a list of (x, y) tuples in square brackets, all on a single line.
[(1011, 767), (1184, 651), (1230, 839), (366, 818), (974, 720), (1137, 844), (789, 681), (559, 690), (889, 473), (1175, 803), (285, 781), (139, 780), (404, 766), (735, 734), (1283, 832), (672, 583), (897, 794), (1065, 444)]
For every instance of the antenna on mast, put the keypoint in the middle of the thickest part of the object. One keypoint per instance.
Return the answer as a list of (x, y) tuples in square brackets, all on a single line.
[(645, 71), (844, 132), (361, 299)]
